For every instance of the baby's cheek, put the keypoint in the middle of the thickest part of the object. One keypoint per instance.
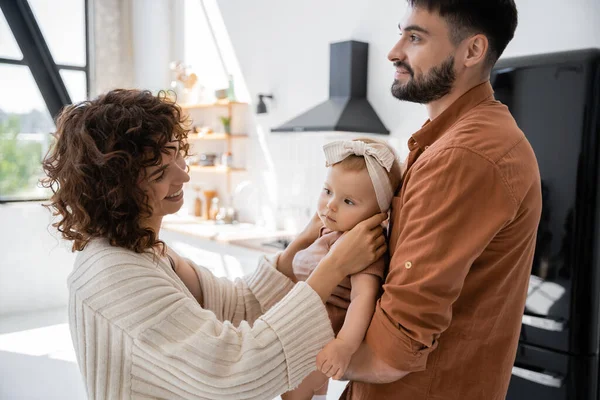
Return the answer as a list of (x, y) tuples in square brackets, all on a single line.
[(350, 221)]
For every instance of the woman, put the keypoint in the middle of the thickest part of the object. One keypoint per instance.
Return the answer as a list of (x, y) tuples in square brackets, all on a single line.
[(147, 323)]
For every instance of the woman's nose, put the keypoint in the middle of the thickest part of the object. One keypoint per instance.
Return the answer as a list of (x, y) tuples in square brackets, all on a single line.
[(182, 169)]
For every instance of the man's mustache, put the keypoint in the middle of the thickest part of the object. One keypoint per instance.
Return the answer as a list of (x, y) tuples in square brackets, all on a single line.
[(404, 65)]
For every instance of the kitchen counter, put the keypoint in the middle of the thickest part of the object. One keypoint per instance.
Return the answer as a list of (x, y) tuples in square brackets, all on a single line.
[(245, 235)]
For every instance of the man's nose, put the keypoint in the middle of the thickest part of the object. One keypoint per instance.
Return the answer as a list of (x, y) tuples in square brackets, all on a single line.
[(397, 52)]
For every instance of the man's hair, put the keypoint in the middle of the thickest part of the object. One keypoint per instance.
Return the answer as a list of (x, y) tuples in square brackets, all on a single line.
[(102, 149), (496, 19)]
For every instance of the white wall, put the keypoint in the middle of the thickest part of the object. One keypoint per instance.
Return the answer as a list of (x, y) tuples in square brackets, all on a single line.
[(555, 25), (283, 48), (34, 264)]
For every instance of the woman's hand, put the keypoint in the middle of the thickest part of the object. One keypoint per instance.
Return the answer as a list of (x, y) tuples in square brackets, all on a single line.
[(360, 247), (309, 234), (352, 252), (305, 261), (311, 231)]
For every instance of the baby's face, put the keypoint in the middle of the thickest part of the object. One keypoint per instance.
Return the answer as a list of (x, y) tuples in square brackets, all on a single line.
[(347, 198)]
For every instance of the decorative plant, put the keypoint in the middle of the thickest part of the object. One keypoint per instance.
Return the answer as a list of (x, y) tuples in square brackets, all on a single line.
[(226, 121), (19, 159)]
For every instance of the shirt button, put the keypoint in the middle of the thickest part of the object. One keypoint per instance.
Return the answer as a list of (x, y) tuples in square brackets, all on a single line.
[(408, 265)]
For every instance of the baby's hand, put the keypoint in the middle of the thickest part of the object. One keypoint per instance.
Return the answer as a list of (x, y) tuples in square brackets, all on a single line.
[(333, 360)]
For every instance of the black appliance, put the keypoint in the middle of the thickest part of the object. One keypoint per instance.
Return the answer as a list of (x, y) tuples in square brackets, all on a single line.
[(347, 108), (555, 99)]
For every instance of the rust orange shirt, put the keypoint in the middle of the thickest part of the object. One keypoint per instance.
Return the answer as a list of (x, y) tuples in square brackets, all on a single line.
[(462, 241)]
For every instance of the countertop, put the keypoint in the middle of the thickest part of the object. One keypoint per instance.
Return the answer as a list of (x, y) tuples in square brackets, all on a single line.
[(246, 235)]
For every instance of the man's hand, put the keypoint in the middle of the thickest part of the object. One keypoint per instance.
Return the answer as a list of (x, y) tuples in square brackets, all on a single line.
[(333, 360)]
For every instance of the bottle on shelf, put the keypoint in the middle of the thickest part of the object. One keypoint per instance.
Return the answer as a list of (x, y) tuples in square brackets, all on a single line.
[(231, 89), (208, 197), (226, 159), (198, 211), (214, 208)]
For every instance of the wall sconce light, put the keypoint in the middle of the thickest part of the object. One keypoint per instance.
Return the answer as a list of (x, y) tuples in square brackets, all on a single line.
[(261, 107)]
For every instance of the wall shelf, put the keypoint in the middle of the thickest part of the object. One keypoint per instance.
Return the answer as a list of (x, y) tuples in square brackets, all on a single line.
[(229, 109)]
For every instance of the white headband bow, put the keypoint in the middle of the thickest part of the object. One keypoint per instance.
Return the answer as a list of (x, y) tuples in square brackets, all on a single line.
[(379, 159)]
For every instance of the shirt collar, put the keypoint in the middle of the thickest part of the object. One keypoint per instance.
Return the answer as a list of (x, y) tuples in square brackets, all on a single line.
[(433, 130)]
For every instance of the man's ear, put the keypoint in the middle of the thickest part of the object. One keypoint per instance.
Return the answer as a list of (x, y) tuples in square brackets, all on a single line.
[(476, 52)]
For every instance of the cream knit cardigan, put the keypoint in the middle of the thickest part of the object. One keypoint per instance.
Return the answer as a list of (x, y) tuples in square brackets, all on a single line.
[(139, 333)]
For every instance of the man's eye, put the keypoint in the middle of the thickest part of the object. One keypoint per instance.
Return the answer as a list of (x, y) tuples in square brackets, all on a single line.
[(414, 38)]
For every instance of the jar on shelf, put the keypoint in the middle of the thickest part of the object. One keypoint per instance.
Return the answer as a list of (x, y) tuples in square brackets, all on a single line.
[(214, 208), (227, 159)]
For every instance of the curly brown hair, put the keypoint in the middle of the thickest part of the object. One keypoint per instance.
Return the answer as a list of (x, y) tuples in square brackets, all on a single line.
[(102, 149)]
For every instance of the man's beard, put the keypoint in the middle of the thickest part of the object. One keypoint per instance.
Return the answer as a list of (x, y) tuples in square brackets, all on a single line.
[(435, 85)]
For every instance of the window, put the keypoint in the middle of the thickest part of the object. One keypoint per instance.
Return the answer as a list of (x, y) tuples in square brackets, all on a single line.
[(40, 72)]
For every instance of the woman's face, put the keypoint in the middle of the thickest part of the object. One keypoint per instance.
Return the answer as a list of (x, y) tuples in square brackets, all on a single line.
[(164, 183)]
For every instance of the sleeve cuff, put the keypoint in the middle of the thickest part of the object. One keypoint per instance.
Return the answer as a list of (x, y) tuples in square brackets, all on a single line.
[(391, 344), (302, 325), (268, 284)]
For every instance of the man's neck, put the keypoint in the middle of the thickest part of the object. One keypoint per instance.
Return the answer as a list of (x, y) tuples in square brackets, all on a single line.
[(435, 108)]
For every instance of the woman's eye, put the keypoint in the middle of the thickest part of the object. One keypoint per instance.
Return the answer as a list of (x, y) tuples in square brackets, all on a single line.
[(349, 202), (160, 178)]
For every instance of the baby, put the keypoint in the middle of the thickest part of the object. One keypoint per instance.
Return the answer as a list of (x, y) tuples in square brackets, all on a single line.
[(361, 180)]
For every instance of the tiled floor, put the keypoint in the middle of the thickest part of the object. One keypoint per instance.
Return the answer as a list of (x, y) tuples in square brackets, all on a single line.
[(37, 359)]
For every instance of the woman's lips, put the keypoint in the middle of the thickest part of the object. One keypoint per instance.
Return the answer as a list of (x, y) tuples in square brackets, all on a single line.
[(176, 198)]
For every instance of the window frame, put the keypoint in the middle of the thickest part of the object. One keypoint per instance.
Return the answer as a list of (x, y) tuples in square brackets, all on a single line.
[(37, 57)]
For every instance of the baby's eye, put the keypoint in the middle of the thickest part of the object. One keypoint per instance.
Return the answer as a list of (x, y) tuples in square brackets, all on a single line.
[(349, 202), (327, 191)]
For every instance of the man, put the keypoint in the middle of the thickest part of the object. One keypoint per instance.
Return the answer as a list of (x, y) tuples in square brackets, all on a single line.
[(463, 226)]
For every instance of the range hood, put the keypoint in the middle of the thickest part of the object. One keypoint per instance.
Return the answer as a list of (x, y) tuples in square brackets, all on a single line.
[(347, 108)]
